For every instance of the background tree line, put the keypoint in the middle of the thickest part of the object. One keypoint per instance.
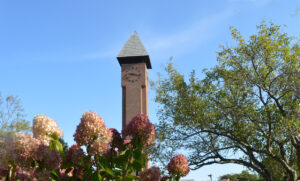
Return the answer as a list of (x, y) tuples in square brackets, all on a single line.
[(12, 118)]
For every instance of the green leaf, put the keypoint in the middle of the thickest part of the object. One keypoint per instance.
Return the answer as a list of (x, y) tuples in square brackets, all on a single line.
[(96, 176), (109, 172), (130, 177), (137, 165), (10, 173), (87, 174), (54, 175), (137, 154), (56, 146)]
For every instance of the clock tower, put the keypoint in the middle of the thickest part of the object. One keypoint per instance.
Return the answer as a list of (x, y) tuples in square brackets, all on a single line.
[(134, 62)]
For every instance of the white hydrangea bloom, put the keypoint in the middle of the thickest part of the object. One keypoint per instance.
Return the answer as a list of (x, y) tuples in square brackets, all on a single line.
[(43, 127)]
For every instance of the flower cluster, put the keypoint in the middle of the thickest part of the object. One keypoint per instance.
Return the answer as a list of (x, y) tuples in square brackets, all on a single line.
[(98, 147), (64, 175), (21, 149), (108, 155), (140, 127), (128, 143), (5, 152), (3, 172), (50, 158), (26, 174), (117, 141), (31, 174), (151, 174), (75, 155), (44, 127), (178, 166), (92, 132), (42, 175)]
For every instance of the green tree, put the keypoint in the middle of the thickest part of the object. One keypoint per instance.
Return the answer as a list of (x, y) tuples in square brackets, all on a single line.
[(244, 111), (12, 116), (244, 176)]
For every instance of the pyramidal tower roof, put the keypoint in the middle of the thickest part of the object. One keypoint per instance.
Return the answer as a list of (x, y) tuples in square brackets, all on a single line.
[(133, 47), (134, 52)]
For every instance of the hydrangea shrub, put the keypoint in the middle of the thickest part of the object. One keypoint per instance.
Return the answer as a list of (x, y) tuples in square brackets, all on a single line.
[(99, 153)]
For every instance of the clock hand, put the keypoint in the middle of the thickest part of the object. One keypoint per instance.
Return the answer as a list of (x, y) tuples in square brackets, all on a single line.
[(133, 74)]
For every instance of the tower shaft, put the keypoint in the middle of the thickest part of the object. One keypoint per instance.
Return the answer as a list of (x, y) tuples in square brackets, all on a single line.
[(134, 91)]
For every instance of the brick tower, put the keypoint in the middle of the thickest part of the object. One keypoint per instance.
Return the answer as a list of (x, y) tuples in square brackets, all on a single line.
[(134, 62)]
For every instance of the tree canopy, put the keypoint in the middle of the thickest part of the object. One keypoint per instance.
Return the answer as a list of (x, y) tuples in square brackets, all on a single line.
[(244, 111)]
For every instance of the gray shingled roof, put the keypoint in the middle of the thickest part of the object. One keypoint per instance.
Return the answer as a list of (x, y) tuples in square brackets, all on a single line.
[(133, 47)]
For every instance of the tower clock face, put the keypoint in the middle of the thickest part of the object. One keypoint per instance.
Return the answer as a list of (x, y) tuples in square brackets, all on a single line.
[(132, 74)]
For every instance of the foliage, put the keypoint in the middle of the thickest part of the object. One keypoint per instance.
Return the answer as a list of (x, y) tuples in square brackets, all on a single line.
[(162, 152), (244, 111), (244, 176), (64, 145), (12, 116), (45, 156)]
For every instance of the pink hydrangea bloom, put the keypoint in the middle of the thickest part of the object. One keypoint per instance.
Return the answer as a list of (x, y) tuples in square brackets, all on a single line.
[(3, 172), (43, 127), (6, 153), (80, 173), (151, 174), (26, 174), (178, 166), (92, 127), (51, 158), (45, 139), (22, 149), (43, 175), (117, 141), (98, 147), (112, 152), (141, 127), (75, 155), (126, 142), (65, 175)]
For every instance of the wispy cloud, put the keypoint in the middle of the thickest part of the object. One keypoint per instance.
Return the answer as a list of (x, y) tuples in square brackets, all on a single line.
[(187, 37), (254, 2), (177, 42)]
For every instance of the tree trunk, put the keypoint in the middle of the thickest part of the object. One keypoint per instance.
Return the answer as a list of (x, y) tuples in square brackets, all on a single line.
[(298, 154), (293, 176), (266, 175)]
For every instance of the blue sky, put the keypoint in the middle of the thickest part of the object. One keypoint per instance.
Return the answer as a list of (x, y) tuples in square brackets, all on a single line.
[(59, 56)]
